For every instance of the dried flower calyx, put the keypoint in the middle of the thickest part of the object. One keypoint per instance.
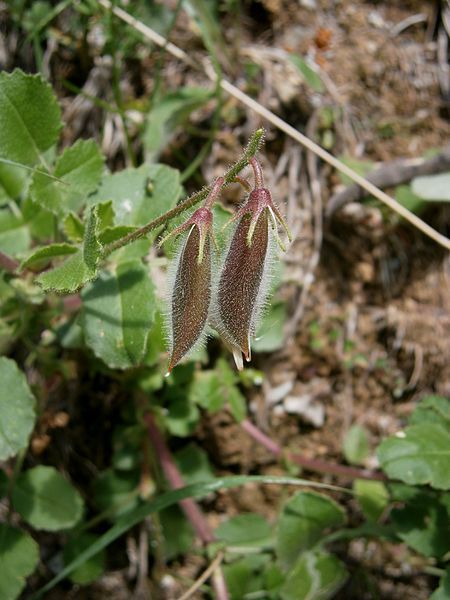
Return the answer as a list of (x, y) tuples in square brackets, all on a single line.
[(242, 288), (190, 298)]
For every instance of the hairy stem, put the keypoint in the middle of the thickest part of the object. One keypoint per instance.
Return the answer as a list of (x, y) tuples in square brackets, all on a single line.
[(253, 146), (189, 506), (318, 466)]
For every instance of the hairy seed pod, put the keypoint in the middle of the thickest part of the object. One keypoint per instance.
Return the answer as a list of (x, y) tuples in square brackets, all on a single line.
[(240, 281), (241, 291), (191, 295), (190, 298)]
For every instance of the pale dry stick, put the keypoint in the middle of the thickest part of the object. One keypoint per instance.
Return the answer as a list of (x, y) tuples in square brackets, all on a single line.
[(281, 125), (203, 577)]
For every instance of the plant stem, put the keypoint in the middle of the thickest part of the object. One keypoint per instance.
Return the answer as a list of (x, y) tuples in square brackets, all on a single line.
[(7, 263), (252, 148), (189, 506), (318, 466)]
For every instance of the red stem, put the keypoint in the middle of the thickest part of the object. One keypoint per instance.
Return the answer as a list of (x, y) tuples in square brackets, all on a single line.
[(257, 170), (212, 196), (189, 506), (319, 466), (8, 263)]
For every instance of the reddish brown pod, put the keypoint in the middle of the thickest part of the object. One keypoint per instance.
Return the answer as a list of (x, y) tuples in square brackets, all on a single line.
[(190, 296), (242, 289)]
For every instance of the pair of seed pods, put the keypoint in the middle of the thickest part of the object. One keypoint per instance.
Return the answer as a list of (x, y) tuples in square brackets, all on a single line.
[(230, 303)]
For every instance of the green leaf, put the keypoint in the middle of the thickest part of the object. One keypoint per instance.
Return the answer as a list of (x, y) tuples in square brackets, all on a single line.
[(16, 409), (356, 445), (250, 530), (118, 313), (362, 167), (92, 568), (46, 500), (242, 579), (270, 335), (315, 576), (408, 199), (132, 518), (169, 112), (206, 391), (227, 381), (80, 268), (30, 118), (373, 497), (14, 233), (182, 416), (68, 277), (178, 535), (140, 195), (12, 181), (443, 591), (419, 455), (79, 169), (73, 227), (303, 521), (40, 256), (193, 464), (116, 492), (19, 556), (310, 74), (424, 523), (432, 187), (432, 409)]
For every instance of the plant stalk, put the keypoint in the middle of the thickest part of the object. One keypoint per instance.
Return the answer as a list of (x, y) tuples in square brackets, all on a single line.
[(253, 146), (189, 506), (318, 466)]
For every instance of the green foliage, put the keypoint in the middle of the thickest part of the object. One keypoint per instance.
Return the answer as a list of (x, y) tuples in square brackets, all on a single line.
[(310, 74), (443, 591), (78, 169), (41, 256), (423, 522), (167, 114), (316, 576), (212, 389), (46, 500), (356, 445), (246, 530), (29, 117), (118, 312), (19, 556), (92, 568), (303, 521), (372, 496), (17, 414), (419, 455)]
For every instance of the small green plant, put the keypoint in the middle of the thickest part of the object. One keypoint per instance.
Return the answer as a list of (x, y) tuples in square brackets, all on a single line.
[(75, 280)]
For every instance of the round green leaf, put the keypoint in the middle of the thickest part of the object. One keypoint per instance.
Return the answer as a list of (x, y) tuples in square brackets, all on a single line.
[(118, 312), (92, 568), (30, 117), (19, 556), (303, 521), (356, 445), (316, 576), (245, 530), (418, 455), (16, 409), (46, 500)]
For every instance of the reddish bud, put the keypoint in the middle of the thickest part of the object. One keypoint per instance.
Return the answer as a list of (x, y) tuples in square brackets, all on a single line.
[(241, 291), (191, 293)]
